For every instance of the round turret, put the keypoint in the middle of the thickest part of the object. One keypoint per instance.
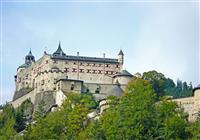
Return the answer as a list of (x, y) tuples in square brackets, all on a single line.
[(123, 78)]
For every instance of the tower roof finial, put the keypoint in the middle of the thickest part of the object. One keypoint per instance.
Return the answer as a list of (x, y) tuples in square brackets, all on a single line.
[(30, 53), (121, 52), (59, 51), (59, 46)]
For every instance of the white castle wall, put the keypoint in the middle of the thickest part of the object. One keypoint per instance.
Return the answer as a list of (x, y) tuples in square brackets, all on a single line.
[(41, 76)]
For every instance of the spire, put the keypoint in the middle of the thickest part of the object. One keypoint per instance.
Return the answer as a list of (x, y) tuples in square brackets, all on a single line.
[(59, 46), (30, 53), (121, 52), (29, 58), (59, 51)]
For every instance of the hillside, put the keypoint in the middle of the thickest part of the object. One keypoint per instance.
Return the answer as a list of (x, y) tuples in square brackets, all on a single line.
[(144, 111)]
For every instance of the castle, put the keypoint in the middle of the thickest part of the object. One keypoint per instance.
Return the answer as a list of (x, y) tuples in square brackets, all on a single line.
[(54, 74)]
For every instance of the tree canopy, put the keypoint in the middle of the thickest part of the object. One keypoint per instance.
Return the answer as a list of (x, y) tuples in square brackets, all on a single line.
[(142, 112)]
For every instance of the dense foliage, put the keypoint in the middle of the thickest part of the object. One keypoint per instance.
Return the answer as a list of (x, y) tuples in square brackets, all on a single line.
[(143, 112), (165, 86), (13, 121)]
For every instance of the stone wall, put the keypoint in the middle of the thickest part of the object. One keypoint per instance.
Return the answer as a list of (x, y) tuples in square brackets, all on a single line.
[(191, 105), (16, 103), (67, 86), (48, 97)]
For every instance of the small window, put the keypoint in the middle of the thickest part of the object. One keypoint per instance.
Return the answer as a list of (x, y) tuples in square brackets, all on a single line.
[(74, 70), (88, 71), (72, 87), (74, 63), (81, 70), (66, 70), (47, 61), (97, 90)]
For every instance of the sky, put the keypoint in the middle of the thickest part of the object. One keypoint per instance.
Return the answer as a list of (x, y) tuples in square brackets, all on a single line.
[(154, 35)]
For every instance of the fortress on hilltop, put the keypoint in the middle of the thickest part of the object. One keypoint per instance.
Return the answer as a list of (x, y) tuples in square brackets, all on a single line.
[(54, 74)]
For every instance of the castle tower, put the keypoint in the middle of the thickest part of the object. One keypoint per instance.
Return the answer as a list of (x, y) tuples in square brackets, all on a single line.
[(29, 58), (121, 57), (196, 91), (59, 52), (196, 106)]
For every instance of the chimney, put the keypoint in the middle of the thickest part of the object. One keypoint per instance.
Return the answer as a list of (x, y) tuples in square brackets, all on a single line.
[(77, 53)]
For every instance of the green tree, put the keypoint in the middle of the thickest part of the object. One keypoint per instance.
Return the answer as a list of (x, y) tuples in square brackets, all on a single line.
[(129, 117), (172, 121), (194, 129), (157, 80), (65, 123), (40, 111), (7, 122), (139, 115)]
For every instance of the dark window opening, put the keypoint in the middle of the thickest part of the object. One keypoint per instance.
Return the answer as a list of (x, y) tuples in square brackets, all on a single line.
[(88, 71), (81, 70), (74, 70), (72, 87), (97, 91)]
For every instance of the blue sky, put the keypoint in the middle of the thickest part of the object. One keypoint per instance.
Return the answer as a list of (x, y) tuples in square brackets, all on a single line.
[(162, 36)]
